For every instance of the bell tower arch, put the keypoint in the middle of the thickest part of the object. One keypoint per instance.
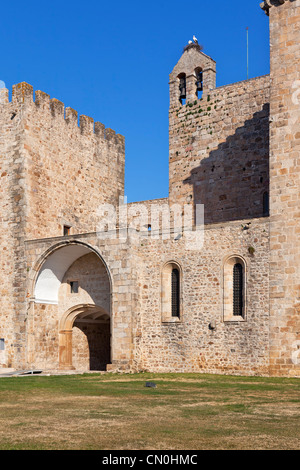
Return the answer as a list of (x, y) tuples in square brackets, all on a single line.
[(194, 73)]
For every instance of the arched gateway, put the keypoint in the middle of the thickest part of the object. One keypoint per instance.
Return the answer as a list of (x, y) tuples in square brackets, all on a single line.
[(72, 289), (84, 338)]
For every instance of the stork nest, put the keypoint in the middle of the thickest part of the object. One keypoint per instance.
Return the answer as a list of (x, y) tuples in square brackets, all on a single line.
[(196, 46)]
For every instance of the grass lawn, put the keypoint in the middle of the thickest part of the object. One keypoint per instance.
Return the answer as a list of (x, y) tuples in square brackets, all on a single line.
[(117, 412)]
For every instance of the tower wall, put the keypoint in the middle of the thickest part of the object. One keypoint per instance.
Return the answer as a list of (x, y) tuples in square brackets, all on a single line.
[(12, 231), (71, 168), (219, 150), (285, 186)]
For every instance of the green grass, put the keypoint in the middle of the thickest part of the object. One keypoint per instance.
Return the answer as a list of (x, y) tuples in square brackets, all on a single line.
[(114, 411)]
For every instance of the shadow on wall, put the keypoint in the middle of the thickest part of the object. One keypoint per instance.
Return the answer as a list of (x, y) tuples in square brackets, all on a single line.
[(91, 345), (233, 181)]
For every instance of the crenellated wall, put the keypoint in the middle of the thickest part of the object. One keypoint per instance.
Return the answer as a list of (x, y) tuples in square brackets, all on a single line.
[(70, 168), (54, 172)]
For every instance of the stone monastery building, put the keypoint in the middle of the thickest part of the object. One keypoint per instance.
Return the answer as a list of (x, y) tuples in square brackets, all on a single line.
[(75, 297)]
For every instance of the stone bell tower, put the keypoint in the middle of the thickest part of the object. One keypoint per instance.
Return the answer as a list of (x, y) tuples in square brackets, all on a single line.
[(194, 74), (191, 82)]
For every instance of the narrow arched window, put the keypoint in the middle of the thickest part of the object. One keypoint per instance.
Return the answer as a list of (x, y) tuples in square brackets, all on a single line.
[(266, 207), (238, 287), (175, 280), (171, 297), (235, 289)]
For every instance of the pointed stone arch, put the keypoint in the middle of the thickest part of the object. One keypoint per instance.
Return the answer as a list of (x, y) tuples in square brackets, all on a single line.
[(66, 324), (85, 317), (48, 271)]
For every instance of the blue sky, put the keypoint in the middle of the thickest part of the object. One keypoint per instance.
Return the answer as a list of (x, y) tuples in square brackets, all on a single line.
[(112, 60)]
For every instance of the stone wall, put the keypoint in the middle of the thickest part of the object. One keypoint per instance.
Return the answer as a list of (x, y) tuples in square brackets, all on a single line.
[(285, 187), (12, 231), (43, 321), (142, 338), (219, 150), (93, 284), (71, 169), (54, 172), (190, 344)]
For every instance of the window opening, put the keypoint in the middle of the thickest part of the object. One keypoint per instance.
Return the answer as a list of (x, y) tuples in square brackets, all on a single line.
[(67, 230), (74, 285), (238, 277), (175, 293)]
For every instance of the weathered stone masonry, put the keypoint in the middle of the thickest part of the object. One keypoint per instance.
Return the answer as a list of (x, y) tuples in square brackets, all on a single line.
[(284, 186), (76, 298), (219, 151)]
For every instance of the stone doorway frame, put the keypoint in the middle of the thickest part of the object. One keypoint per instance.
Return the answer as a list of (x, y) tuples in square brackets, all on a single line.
[(66, 332)]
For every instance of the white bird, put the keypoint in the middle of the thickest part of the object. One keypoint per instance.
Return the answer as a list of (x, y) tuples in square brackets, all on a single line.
[(190, 42), (195, 39)]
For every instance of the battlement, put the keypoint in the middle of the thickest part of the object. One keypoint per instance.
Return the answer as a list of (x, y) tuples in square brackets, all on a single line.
[(68, 164), (23, 96)]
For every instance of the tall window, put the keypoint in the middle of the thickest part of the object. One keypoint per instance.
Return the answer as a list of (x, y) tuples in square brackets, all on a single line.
[(171, 282), (238, 281), (234, 289), (175, 293)]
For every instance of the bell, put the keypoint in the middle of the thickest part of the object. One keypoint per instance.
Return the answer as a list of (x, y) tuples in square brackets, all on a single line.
[(199, 86), (182, 93)]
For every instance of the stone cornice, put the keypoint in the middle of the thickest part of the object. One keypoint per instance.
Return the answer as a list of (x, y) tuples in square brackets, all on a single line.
[(267, 4)]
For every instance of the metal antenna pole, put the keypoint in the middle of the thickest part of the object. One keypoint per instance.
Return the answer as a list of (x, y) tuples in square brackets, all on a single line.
[(247, 53)]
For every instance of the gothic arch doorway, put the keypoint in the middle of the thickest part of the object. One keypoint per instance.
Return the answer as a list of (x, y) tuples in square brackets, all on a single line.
[(72, 304), (84, 338)]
